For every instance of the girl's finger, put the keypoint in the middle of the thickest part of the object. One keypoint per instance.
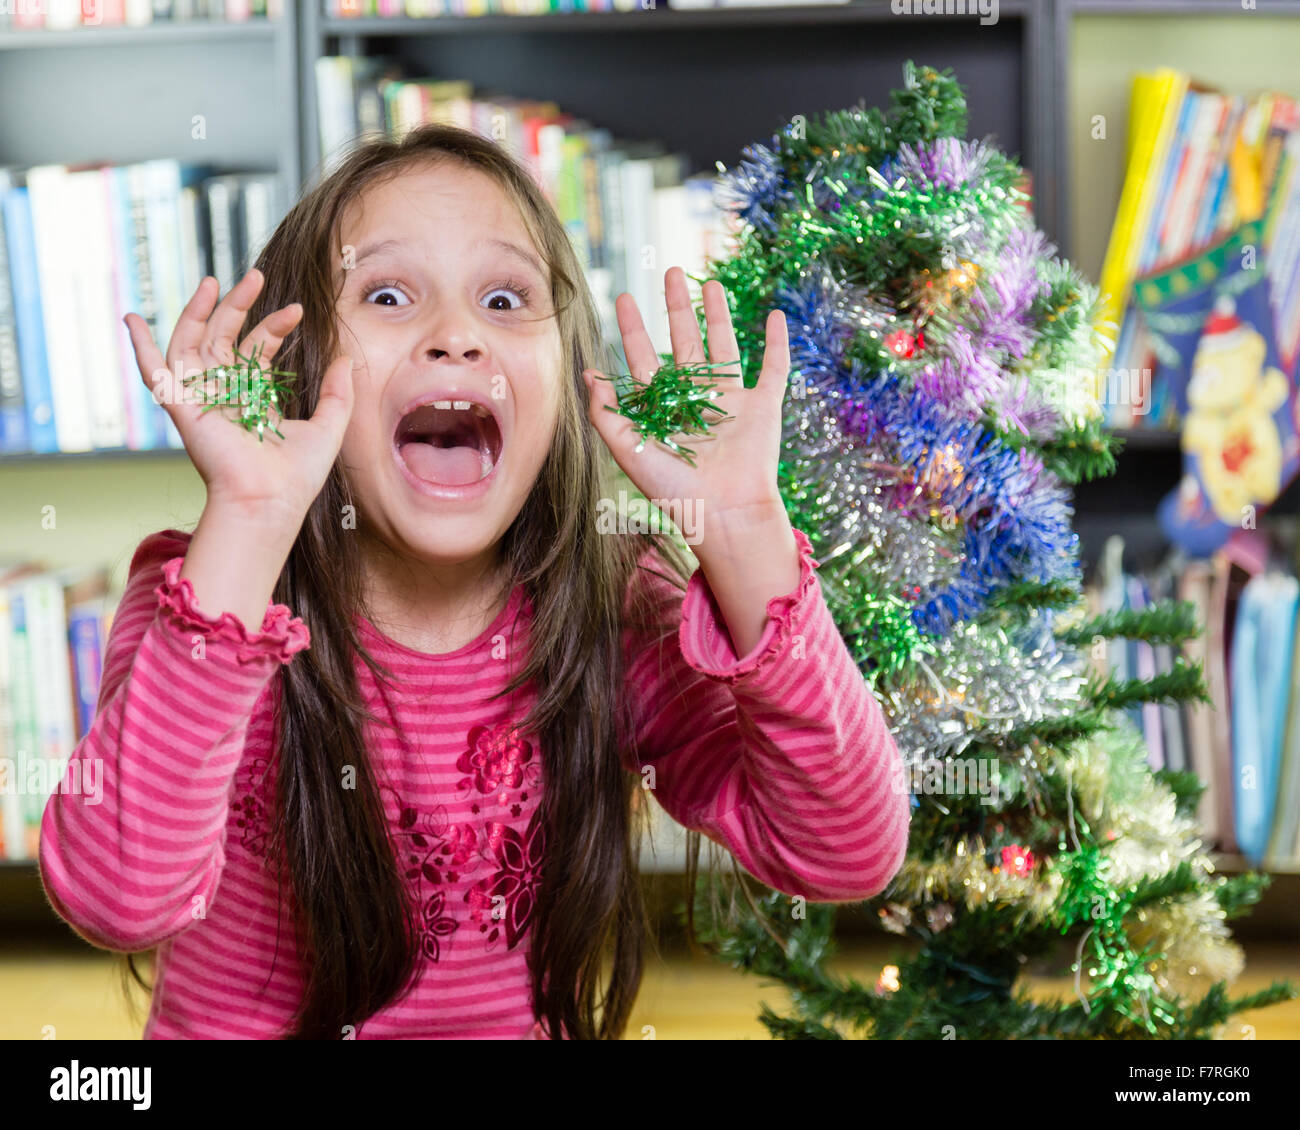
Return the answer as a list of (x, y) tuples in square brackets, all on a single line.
[(641, 356), (616, 430), (218, 339), (189, 328), (154, 372), (683, 326), (776, 356), (271, 331), (334, 405), (722, 335)]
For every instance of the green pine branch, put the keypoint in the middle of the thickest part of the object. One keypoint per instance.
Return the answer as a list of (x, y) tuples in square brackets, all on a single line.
[(929, 105), (1236, 894), (1181, 880), (1186, 786), (1033, 594), (1166, 622), (1081, 455), (1184, 682), (788, 1028), (1199, 1021), (1056, 731)]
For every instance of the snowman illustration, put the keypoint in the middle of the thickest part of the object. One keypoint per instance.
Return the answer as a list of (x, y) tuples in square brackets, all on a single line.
[(1230, 426)]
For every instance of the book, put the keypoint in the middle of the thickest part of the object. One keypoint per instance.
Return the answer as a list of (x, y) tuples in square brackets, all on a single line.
[(94, 284), (1155, 107), (56, 259), (29, 321), (13, 409)]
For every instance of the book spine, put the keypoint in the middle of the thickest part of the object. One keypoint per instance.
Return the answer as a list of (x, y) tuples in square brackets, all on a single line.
[(11, 812), (29, 321), (86, 647), (56, 257), (164, 189), (13, 410), (125, 302), (141, 267), (23, 735), (220, 213), (101, 365)]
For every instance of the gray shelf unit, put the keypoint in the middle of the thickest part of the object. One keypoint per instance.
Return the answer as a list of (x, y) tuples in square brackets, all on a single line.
[(128, 94), (656, 73)]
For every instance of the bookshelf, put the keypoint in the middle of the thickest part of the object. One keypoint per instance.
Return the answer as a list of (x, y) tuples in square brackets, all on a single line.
[(1033, 77), (1100, 44)]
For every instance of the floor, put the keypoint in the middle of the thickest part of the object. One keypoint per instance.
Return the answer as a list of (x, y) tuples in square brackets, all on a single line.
[(78, 996)]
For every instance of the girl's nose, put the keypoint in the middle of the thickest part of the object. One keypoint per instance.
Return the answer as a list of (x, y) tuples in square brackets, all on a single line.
[(451, 332)]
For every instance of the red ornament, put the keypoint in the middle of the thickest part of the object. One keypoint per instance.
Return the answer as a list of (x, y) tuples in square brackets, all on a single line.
[(901, 344), (1018, 860)]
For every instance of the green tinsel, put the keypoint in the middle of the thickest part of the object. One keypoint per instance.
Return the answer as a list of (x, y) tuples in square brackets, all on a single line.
[(1119, 976), (254, 388), (672, 402)]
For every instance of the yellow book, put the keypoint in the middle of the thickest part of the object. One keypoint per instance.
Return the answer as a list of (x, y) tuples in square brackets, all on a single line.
[(1153, 120), (1246, 165)]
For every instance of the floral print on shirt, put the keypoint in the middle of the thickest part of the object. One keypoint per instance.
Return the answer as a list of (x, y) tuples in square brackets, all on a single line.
[(500, 768), (251, 806)]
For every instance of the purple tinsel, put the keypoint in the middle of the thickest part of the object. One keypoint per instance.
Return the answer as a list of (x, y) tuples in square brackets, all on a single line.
[(948, 162)]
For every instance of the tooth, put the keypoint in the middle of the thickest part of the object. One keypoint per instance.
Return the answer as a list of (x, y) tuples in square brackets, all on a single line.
[(479, 410), (460, 405), (442, 403)]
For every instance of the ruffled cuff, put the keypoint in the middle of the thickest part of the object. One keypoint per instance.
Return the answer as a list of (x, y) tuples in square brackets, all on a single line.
[(703, 637), (281, 637)]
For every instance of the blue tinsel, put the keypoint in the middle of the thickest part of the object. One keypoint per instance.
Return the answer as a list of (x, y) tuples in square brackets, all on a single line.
[(1016, 515)]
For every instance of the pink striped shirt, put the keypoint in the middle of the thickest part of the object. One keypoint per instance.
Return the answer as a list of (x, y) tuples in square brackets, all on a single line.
[(782, 756)]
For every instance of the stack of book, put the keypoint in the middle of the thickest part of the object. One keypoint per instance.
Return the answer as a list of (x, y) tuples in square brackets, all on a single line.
[(82, 247), (56, 15), (631, 209), (1244, 745), (53, 625), (1200, 164)]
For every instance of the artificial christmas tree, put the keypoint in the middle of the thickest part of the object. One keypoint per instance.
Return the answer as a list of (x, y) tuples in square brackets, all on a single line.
[(942, 401)]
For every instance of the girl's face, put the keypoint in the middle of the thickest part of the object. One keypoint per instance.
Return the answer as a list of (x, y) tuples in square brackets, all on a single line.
[(444, 299)]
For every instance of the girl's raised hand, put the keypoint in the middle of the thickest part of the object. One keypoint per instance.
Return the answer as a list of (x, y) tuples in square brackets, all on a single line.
[(734, 478), (270, 476)]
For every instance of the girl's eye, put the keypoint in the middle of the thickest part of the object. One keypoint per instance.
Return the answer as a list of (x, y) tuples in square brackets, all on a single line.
[(387, 295), (510, 290)]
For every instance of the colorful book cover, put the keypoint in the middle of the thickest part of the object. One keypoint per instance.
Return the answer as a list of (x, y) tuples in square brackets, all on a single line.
[(1155, 105)]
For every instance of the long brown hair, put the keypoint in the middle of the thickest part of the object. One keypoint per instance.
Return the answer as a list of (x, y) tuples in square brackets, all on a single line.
[(354, 921)]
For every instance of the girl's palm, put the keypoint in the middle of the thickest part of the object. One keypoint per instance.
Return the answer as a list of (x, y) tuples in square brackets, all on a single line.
[(735, 462), (238, 468)]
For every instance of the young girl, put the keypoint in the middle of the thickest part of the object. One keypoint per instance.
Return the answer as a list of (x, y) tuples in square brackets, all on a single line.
[(371, 734)]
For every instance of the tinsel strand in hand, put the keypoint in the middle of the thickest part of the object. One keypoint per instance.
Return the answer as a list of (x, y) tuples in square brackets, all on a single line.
[(673, 402), (255, 388)]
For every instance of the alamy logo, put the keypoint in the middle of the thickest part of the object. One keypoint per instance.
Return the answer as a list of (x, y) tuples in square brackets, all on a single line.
[(626, 515), (45, 776), (101, 1084), (987, 10)]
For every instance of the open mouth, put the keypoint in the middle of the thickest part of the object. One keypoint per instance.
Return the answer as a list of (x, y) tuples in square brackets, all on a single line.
[(449, 443)]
